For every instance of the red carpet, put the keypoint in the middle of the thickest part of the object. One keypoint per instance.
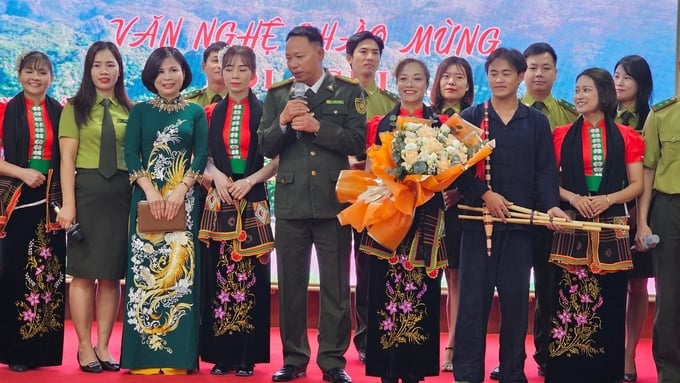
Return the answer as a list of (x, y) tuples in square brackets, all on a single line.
[(69, 372)]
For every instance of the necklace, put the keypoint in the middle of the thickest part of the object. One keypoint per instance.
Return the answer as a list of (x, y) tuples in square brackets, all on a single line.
[(176, 104)]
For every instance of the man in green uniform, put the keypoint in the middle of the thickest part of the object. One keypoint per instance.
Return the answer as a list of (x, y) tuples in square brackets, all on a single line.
[(659, 213), (364, 50), (216, 88), (539, 79), (312, 135)]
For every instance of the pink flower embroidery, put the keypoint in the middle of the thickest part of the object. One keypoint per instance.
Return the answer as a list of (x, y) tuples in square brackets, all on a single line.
[(240, 296), (28, 315), (410, 286), (242, 277), (581, 273), (39, 269), (558, 333), (33, 299), (573, 289), (585, 298), (223, 296), (219, 313), (387, 324), (581, 319), (391, 307), (47, 297), (406, 307), (565, 317), (45, 252)]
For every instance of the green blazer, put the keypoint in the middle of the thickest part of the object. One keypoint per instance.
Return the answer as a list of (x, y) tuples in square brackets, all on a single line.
[(309, 164)]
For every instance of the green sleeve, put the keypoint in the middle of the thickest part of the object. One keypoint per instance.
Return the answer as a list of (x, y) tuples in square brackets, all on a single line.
[(650, 134), (200, 142), (133, 141), (270, 137), (67, 123)]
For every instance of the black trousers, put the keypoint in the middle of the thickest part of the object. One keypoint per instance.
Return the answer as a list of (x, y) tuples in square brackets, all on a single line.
[(507, 270)]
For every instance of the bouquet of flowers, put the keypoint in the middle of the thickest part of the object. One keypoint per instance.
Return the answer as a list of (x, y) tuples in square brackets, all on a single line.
[(419, 148), (414, 162)]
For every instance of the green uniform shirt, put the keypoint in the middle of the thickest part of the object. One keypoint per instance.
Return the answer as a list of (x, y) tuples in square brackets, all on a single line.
[(559, 112), (203, 96), (89, 135), (662, 145), (632, 121), (378, 101), (456, 109)]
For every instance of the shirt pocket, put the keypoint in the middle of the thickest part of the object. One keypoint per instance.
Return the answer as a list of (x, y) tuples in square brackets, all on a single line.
[(670, 142), (334, 112), (284, 192)]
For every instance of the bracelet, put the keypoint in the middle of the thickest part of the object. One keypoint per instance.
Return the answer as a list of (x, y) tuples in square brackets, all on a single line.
[(186, 184), (608, 201), (572, 198), (248, 181)]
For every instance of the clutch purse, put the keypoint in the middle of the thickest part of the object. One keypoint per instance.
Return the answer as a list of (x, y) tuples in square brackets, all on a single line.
[(146, 223)]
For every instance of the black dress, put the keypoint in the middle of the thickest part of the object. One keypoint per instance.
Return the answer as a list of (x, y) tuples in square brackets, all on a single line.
[(404, 298), (32, 258)]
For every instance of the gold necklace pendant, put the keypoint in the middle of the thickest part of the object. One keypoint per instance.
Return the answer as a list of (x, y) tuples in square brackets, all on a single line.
[(174, 105)]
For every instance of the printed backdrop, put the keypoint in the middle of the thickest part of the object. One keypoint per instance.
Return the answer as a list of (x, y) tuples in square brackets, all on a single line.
[(584, 33)]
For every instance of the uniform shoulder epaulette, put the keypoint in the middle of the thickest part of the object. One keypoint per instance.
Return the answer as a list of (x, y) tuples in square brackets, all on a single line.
[(567, 105), (281, 83), (668, 102), (393, 97), (195, 93), (347, 79)]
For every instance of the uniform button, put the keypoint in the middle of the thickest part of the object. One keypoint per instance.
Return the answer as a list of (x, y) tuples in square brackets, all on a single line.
[(335, 112), (312, 153), (313, 172)]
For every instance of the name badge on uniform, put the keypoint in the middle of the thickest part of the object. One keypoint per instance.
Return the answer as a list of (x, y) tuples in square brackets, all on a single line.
[(335, 102)]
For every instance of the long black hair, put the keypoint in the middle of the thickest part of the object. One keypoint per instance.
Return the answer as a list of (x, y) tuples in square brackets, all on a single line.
[(86, 96), (638, 68)]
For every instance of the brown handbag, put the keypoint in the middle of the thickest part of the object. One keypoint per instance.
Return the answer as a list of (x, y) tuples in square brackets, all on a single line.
[(146, 223)]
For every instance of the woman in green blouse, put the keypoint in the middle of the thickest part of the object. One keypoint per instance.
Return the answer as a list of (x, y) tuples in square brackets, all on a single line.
[(166, 147), (97, 196)]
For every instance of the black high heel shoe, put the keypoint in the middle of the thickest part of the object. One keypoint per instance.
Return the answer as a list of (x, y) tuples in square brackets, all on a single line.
[(107, 365), (244, 369), (94, 367)]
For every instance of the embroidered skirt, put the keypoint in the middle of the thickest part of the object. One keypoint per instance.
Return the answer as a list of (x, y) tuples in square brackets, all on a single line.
[(587, 328), (603, 252), (246, 225), (403, 321), (424, 243), (32, 281)]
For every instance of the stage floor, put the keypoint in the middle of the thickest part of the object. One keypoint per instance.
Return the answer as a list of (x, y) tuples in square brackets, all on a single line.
[(69, 372)]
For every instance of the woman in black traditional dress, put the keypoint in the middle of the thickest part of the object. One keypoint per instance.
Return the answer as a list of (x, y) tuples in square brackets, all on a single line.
[(601, 170), (236, 227), (32, 252), (404, 286)]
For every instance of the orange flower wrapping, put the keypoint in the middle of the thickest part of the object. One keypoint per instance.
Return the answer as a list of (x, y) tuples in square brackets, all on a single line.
[(385, 207), (464, 131)]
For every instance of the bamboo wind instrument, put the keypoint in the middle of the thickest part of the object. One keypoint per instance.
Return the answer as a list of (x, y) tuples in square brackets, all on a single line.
[(524, 216)]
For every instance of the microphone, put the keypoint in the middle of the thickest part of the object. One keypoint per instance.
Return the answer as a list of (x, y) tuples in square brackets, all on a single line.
[(74, 231), (299, 90)]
